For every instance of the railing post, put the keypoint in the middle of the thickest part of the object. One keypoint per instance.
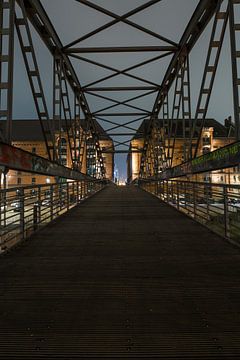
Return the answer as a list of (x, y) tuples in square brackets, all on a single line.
[(185, 195), (226, 212), (78, 183), (162, 190), (39, 203), (21, 212), (35, 216), (194, 200), (177, 195), (5, 197), (207, 200), (51, 201), (67, 196), (167, 188), (81, 189)]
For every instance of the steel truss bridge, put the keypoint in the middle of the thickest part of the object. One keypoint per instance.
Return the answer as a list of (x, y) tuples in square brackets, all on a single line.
[(118, 273), (159, 146)]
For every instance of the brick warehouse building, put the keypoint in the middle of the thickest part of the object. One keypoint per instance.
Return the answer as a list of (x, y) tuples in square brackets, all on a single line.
[(27, 135), (214, 135)]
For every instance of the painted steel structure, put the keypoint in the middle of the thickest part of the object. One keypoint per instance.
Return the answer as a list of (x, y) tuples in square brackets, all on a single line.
[(158, 147)]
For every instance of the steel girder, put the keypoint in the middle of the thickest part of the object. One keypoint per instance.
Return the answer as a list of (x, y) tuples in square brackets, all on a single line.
[(199, 21), (42, 24), (39, 19)]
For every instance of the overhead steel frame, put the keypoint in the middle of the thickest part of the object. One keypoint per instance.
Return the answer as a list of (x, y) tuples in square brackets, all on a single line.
[(203, 14), (7, 11), (169, 48), (42, 24), (201, 17)]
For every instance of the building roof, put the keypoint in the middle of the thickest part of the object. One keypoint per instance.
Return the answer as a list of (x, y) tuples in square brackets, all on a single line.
[(30, 130), (220, 130)]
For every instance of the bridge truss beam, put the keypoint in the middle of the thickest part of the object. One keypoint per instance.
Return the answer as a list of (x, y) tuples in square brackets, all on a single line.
[(64, 77), (225, 12)]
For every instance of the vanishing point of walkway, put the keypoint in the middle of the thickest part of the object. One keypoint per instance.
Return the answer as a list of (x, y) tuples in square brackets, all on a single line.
[(121, 276)]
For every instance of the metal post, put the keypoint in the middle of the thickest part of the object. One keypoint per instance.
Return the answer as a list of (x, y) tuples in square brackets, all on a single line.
[(35, 216), (51, 201), (81, 189), (207, 197), (167, 188), (185, 193), (7, 10), (21, 214), (39, 204), (226, 213), (5, 171), (194, 200), (68, 196), (177, 195), (78, 184)]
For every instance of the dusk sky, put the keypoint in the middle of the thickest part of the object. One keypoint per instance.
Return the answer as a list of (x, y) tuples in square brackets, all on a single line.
[(168, 18)]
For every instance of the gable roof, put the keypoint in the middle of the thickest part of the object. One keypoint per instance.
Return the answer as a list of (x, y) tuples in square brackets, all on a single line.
[(220, 130), (30, 130)]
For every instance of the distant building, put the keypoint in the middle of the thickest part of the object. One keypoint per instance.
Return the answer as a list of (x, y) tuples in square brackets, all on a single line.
[(214, 135), (27, 135)]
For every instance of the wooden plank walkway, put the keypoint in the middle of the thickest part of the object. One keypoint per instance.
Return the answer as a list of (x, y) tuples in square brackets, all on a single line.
[(121, 276)]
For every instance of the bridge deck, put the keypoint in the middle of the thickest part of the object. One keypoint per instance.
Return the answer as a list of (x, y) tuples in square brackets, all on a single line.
[(121, 276)]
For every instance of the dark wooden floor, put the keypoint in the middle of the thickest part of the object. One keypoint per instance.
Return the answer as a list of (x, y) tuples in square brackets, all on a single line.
[(121, 276)]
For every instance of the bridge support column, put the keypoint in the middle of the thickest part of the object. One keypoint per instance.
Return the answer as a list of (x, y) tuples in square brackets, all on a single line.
[(7, 11)]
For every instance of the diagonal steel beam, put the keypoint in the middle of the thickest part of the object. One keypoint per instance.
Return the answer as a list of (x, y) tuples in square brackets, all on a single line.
[(117, 71), (125, 103), (114, 123), (118, 19), (42, 24), (124, 143), (110, 68), (114, 75), (127, 123), (117, 103), (199, 21)]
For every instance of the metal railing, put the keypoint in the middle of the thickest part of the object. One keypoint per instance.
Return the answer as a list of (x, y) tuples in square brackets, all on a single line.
[(217, 206), (26, 209)]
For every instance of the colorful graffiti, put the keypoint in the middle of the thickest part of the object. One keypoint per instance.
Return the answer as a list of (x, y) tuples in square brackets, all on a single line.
[(228, 156), (18, 159)]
